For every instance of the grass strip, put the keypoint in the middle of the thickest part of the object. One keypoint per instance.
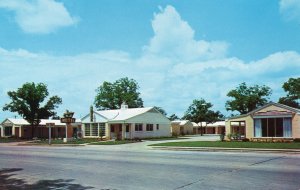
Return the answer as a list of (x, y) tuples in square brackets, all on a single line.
[(112, 142), (8, 140), (60, 141), (262, 145)]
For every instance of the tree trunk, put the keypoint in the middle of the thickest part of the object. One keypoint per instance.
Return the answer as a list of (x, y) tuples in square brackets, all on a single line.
[(32, 131)]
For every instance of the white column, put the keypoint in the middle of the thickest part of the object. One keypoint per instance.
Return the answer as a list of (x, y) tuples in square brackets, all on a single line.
[(132, 130), (123, 131), (107, 131)]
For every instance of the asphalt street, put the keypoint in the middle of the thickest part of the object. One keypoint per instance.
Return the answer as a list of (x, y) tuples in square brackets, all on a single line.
[(120, 167)]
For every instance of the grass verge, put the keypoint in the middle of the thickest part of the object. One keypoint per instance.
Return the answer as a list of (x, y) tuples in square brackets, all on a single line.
[(112, 142), (292, 145), (91, 141), (8, 140), (164, 138), (59, 141)]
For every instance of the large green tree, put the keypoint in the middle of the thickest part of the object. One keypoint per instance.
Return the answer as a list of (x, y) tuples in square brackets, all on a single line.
[(29, 101), (112, 95), (161, 110), (292, 87), (200, 111), (245, 99), (173, 117)]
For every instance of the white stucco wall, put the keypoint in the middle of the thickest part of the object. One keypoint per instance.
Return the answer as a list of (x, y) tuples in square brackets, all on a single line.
[(151, 118)]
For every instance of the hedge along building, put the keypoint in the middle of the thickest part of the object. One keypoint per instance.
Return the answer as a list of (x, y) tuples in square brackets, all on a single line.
[(126, 123), (273, 120), (20, 128)]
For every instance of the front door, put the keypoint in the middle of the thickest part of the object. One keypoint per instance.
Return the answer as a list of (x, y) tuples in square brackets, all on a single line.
[(17, 132)]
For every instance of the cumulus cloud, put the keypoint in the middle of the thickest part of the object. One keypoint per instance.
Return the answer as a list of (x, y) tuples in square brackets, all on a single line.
[(39, 16), (290, 9), (174, 38), (167, 80)]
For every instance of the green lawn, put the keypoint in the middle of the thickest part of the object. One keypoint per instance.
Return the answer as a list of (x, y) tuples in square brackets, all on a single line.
[(292, 145), (165, 138), (112, 142), (8, 140), (59, 141), (92, 141)]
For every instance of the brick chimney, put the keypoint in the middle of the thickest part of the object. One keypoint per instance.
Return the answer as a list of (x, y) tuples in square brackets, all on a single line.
[(91, 114)]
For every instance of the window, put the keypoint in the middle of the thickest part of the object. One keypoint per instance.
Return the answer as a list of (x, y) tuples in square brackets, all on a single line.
[(273, 127), (87, 129), (94, 129), (157, 126), (149, 127), (264, 127), (138, 127), (279, 127), (7, 131), (102, 129)]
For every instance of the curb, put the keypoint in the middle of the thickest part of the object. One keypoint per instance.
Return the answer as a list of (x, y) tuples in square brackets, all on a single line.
[(217, 149)]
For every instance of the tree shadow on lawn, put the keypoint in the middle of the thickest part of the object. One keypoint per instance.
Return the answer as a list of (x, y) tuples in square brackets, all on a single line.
[(8, 182)]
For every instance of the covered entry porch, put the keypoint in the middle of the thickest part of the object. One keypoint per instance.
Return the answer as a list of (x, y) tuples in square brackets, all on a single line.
[(238, 127), (121, 131)]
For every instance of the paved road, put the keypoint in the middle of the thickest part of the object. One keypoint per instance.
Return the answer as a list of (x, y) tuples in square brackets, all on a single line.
[(119, 167)]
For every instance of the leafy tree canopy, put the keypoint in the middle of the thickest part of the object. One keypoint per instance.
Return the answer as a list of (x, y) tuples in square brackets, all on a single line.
[(173, 117), (112, 95), (292, 87), (289, 102), (161, 110), (246, 99), (200, 111), (28, 102)]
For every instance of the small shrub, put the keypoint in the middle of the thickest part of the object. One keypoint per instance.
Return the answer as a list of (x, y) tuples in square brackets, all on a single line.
[(137, 139), (229, 136), (297, 140), (222, 136), (234, 136), (245, 140)]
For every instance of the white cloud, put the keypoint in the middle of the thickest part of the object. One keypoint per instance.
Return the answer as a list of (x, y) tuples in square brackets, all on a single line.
[(39, 16), (174, 38), (290, 9), (165, 80)]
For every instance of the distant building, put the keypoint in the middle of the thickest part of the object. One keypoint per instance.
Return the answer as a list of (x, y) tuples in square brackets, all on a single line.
[(20, 128), (196, 128), (181, 127), (215, 128), (126, 123)]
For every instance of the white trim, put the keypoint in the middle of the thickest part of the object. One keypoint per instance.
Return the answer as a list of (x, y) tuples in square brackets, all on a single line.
[(272, 116)]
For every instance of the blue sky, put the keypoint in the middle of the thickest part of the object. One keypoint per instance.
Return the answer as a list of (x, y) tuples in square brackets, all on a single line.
[(176, 50)]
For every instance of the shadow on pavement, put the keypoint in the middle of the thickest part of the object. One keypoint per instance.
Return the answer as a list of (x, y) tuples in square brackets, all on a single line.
[(8, 182)]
